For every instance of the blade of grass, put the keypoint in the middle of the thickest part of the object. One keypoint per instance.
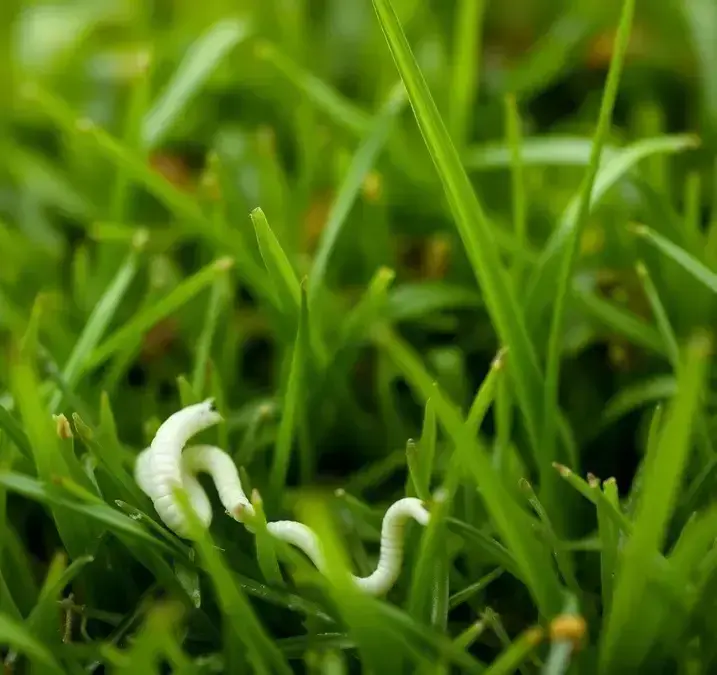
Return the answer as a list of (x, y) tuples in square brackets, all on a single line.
[(339, 110), (536, 151), (688, 262), (669, 338), (43, 617), (96, 513), (363, 161), (217, 300), (100, 319), (14, 634), (569, 255), (563, 558), (430, 564), (623, 644), (262, 652), (620, 320), (281, 273), (519, 197), (292, 407), (411, 302), (197, 66), (517, 653), (473, 226), (609, 542), (265, 551), (468, 592), (532, 559), (108, 454), (120, 199), (541, 286), (426, 450), (190, 217), (148, 317), (50, 461), (640, 394), (465, 66), (15, 432)]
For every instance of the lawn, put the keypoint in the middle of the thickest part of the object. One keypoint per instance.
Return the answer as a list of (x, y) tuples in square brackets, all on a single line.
[(451, 263)]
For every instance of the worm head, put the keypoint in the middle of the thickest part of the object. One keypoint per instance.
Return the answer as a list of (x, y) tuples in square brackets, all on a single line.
[(185, 423)]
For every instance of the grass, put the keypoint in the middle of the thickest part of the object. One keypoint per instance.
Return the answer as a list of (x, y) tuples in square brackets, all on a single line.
[(410, 249)]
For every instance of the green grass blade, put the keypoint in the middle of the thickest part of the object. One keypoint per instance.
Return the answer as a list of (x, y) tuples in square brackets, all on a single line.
[(623, 644), (485, 395), (413, 302), (109, 455), (197, 66), (262, 652), (339, 110), (217, 300), (465, 66), (14, 634), (609, 540), (426, 450), (637, 395), (621, 321), (612, 169), (43, 617), (164, 307), (363, 160), (50, 461), (121, 197), (190, 217), (688, 262), (536, 151), (569, 254), (562, 557), (265, 549), (473, 226), (468, 592), (99, 514), (533, 560), (431, 563), (514, 135), (15, 432), (98, 321), (667, 333), (517, 653), (281, 273), (292, 406)]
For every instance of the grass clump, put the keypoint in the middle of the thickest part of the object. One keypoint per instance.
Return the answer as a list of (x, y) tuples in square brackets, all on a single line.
[(409, 250)]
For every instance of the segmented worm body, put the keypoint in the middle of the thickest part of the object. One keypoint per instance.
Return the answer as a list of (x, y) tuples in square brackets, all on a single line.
[(390, 556), (163, 467), (167, 465)]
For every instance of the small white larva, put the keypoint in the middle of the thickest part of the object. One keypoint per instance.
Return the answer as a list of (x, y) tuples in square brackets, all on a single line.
[(159, 470), (220, 466), (391, 552), (167, 464)]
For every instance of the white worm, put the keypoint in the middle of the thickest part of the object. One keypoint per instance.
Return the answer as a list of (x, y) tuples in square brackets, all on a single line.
[(391, 552), (220, 466), (167, 465), (162, 468)]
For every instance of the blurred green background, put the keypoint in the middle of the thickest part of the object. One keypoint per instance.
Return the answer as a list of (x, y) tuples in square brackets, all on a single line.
[(263, 103), (286, 91)]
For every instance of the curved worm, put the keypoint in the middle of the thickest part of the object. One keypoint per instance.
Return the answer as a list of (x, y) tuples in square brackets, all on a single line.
[(166, 465), (220, 466), (159, 469), (391, 552)]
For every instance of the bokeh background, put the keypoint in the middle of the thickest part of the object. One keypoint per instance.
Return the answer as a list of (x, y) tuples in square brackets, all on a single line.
[(263, 103)]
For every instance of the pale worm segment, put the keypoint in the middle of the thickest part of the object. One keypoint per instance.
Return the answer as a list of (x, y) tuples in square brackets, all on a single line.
[(167, 465), (390, 556)]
